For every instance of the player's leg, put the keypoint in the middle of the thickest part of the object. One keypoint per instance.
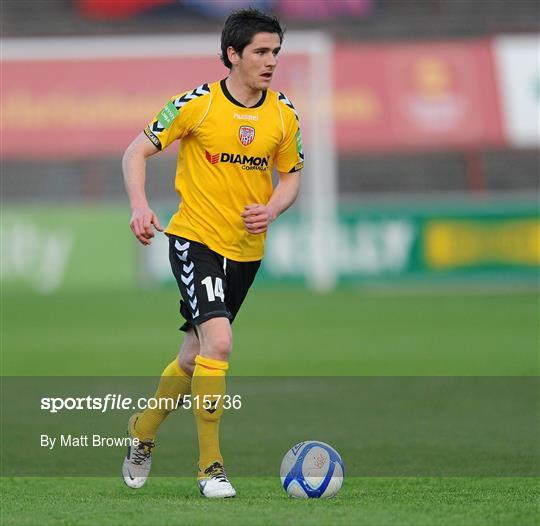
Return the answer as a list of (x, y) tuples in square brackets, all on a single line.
[(175, 380), (209, 377), (208, 390), (174, 383), (201, 279), (212, 290), (209, 386)]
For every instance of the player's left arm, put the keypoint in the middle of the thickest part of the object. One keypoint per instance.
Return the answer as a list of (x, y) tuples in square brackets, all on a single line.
[(257, 217), (289, 160)]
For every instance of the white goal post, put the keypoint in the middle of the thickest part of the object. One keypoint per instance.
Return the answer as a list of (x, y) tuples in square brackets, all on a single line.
[(318, 201)]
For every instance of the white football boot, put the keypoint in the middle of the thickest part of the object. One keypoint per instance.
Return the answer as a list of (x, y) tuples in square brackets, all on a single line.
[(216, 485), (138, 461)]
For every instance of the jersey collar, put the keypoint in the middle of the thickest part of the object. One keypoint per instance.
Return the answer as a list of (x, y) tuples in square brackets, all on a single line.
[(227, 94)]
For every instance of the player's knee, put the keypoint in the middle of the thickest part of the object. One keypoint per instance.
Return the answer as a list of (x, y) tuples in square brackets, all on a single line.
[(220, 347)]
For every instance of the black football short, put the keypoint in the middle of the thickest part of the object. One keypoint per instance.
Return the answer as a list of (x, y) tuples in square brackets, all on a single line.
[(211, 286)]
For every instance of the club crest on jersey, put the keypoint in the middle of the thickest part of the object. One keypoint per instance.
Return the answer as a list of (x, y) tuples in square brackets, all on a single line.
[(246, 134)]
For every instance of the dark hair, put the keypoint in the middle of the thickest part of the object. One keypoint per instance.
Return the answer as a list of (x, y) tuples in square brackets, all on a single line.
[(242, 26)]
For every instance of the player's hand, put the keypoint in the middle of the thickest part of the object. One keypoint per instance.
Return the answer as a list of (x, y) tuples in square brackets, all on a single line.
[(257, 218), (141, 223)]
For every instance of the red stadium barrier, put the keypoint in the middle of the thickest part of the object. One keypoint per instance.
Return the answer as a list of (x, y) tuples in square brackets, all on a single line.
[(388, 97), (416, 96)]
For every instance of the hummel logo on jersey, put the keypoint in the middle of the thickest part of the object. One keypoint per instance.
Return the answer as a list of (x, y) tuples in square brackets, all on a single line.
[(248, 162), (245, 117)]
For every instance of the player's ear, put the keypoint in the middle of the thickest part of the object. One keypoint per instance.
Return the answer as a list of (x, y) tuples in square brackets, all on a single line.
[(233, 56)]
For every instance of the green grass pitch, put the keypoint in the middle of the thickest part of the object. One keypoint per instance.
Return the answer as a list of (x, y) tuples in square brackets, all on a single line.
[(280, 331), (174, 501)]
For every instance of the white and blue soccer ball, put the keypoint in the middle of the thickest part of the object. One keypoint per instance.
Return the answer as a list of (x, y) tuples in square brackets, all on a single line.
[(312, 470)]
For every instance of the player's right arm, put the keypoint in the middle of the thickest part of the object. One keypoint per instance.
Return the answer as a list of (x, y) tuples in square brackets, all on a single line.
[(134, 169), (180, 115)]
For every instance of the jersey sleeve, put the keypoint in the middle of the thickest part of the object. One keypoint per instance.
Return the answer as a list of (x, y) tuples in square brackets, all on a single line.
[(178, 117), (290, 155)]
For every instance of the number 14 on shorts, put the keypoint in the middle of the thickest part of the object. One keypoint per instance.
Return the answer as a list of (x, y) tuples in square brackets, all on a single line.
[(214, 290)]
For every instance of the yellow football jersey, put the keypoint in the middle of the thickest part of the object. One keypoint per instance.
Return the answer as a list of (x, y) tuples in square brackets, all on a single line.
[(227, 152)]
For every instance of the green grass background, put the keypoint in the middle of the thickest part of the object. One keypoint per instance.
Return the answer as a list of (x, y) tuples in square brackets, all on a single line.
[(280, 331)]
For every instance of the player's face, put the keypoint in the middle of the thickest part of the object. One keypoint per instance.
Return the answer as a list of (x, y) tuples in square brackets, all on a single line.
[(258, 62)]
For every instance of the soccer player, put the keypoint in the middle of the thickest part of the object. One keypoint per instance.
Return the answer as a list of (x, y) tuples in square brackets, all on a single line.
[(232, 134)]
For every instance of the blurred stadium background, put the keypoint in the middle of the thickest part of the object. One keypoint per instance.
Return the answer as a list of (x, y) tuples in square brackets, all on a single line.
[(434, 111)]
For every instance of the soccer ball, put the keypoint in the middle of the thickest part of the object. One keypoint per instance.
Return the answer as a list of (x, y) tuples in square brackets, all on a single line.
[(312, 470)]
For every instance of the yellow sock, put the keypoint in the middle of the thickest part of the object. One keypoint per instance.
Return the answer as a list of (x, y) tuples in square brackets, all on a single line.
[(209, 380), (174, 382)]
